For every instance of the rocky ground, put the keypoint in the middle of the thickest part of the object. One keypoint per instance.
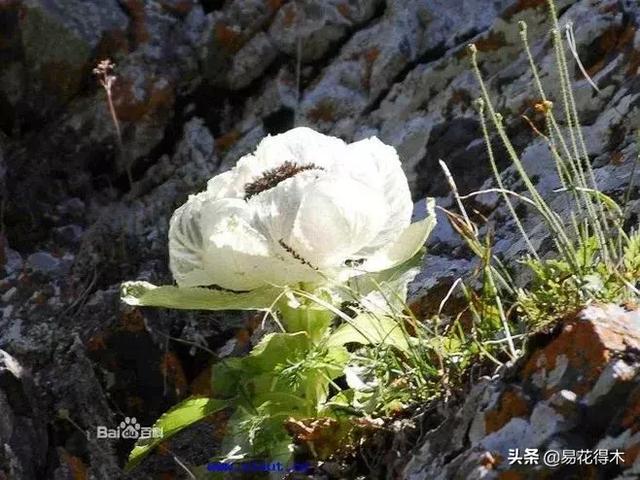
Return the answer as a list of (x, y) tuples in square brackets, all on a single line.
[(199, 83)]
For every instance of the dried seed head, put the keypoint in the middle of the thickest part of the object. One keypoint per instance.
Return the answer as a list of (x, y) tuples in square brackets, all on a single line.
[(104, 71), (543, 107)]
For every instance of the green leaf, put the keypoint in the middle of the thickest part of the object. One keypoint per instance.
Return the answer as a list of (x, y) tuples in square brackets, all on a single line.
[(275, 348), (226, 376), (171, 422), (196, 298), (368, 329), (300, 317), (632, 254)]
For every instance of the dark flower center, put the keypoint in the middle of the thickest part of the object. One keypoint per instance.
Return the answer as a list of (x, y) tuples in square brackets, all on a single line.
[(273, 177)]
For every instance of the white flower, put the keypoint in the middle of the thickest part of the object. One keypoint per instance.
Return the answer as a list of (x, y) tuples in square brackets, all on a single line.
[(304, 207)]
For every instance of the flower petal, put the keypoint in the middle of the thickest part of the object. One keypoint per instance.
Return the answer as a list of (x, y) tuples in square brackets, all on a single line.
[(301, 146), (378, 166), (406, 246), (187, 243), (337, 217), (239, 257)]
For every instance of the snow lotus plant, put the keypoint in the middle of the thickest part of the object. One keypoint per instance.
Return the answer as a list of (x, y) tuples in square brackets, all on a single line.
[(300, 226)]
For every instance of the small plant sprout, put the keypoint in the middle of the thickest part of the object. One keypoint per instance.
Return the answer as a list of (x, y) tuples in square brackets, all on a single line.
[(104, 72)]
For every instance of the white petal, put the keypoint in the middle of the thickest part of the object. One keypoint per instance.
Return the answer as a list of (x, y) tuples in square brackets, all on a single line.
[(406, 246), (302, 146), (337, 217), (239, 257), (378, 166), (186, 243), (275, 210), (226, 185)]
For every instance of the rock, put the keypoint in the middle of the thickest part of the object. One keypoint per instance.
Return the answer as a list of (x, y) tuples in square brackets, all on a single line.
[(317, 25), (39, 76), (565, 388), (43, 262), (199, 84), (23, 433), (12, 260), (235, 50)]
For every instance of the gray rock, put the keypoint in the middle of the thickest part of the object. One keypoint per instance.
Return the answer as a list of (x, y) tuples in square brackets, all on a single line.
[(317, 25), (197, 91), (44, 262), (23, 433)]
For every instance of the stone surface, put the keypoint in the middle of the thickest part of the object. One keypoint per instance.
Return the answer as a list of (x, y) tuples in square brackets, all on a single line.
[(199, 84), (23, 432), (560, 397)]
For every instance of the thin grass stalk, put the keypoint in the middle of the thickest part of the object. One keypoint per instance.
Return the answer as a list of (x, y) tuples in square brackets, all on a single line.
[(567, 179), (599, 219), (498, 177), (560, 237), (552, 122), (486, 255)]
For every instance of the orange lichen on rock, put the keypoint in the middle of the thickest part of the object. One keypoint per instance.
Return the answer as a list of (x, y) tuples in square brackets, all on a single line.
[(344, 10), (511, 475), (274, 4), (62, 79), (612, 41), (492, 42), (201, 385), (616, 158), (631, 453), (77, 468), (633, 63), (111, 44), (180, 9), (511, 404), (243, 337), (158, 96), (631, 416), (135, 9), (289, 15), (370, 56), (230, 39), (588, 343), (96, 343), (132, 321), (226, 141)]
